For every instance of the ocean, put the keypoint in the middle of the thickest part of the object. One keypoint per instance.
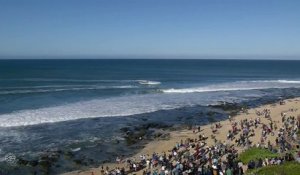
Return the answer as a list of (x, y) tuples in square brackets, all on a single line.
[(83, 103)]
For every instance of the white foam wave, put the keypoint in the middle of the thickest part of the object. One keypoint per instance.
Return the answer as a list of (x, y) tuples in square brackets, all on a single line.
[(191, 90), (136, 104), (112, 107), (238, 86), (27, 91), (276, 81), (118, 106), (147, 82), (289, 81)]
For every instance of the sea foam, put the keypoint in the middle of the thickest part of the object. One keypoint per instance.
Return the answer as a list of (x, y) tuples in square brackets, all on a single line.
[(237, 86), (138, 104), (117, 106)]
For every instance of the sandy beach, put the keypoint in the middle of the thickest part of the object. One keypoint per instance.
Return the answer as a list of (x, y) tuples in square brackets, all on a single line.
[(289, 107)]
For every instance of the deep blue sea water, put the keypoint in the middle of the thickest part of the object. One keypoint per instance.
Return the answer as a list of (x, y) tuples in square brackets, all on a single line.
[(49, 103)]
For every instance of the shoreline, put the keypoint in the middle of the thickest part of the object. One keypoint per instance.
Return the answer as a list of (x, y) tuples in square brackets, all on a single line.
[(160, 146)]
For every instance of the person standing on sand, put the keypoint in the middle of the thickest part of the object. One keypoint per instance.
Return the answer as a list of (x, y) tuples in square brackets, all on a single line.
[(102, 170)]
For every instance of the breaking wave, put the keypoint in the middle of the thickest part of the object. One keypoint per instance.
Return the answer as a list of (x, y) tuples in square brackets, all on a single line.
[(147, 82), (117, 106), (136, 103), (238, 86)]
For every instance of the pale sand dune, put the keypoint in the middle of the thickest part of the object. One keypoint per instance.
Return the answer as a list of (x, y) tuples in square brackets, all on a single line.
[(160, 146)]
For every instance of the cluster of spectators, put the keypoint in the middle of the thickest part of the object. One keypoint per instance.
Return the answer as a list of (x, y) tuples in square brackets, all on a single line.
[(287, 134), (189, 157), (265, 112), (195, 157), (269, 161)]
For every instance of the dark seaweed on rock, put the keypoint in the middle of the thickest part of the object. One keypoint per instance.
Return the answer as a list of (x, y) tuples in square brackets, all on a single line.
[(230, 108), (145, 131)]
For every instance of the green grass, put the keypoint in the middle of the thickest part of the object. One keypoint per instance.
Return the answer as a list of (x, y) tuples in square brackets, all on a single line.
[(288, 168), (256, 153)]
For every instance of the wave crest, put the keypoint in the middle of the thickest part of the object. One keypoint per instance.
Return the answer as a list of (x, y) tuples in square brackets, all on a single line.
[(238, 86), (147, 82)]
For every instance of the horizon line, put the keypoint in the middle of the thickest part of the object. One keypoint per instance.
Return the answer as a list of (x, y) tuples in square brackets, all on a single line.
[(157, 57)]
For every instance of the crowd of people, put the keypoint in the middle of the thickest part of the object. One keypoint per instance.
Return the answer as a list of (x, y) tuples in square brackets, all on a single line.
[(196, 157), (189, 157), (269, 161)]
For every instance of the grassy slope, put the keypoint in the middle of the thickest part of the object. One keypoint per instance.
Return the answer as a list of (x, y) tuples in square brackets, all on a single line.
[(256, 153), (288, 168)]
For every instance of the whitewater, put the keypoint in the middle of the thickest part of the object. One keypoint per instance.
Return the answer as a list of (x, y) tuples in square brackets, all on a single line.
[(128, 105)]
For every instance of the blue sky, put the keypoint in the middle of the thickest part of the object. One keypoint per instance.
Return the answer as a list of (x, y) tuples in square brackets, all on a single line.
[(149, 27)]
